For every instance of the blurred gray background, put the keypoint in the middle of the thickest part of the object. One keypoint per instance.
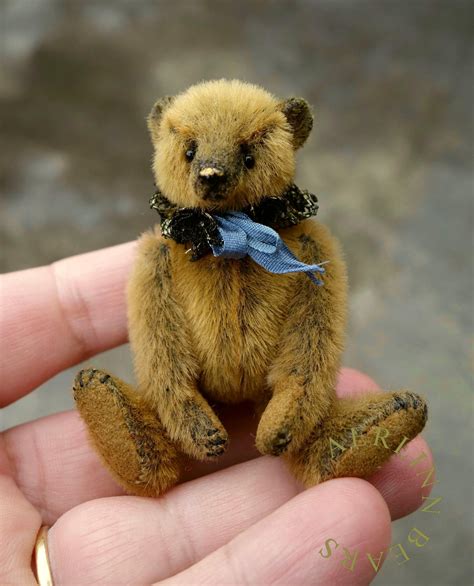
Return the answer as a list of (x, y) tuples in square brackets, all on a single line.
[(390, 157)]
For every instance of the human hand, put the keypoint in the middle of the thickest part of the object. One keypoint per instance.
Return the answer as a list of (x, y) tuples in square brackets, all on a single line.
[(243, 520)]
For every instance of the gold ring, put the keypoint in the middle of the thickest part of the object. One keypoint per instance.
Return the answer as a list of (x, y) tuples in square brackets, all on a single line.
[(41, 566)]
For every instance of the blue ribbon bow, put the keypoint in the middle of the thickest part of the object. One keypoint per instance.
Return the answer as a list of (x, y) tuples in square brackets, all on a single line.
[(242, 236)]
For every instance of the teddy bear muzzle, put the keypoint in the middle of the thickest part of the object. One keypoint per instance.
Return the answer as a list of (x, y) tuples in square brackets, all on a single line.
[(212, 182)]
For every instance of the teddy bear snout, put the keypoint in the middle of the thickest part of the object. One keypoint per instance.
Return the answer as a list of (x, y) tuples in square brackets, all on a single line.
[(212, 181)]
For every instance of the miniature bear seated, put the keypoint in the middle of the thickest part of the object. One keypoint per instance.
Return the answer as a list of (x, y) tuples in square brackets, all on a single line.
[(206, 328)]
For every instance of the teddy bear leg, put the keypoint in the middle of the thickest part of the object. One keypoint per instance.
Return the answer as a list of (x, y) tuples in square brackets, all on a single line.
[(359, 436), (128, 436)]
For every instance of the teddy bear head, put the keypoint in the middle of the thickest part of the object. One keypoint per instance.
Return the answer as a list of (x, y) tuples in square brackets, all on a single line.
[(223, 145)]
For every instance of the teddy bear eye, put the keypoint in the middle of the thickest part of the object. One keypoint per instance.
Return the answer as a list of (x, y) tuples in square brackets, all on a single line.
[(190, 153), (249, 161)]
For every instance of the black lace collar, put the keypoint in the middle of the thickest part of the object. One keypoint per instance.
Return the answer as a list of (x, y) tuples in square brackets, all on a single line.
[(198, 227)]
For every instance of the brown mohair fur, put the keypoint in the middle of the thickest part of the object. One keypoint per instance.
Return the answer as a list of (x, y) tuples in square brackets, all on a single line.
[(229, 331)]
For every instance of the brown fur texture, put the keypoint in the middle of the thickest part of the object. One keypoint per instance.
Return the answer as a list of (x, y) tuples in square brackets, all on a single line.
[(227, 330), (129, 437)]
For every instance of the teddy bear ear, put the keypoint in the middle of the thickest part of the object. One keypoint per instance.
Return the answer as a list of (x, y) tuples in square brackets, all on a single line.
[(299, 117), (156, 113)]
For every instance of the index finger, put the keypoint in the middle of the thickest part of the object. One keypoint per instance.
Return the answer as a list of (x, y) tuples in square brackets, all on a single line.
[(56, 316)]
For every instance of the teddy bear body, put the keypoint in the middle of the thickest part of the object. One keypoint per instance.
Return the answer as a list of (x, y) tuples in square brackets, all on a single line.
[(238, 314), (226, 329), (239, 333)]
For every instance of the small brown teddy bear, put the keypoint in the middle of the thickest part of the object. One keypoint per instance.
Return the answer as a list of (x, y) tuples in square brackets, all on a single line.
[(221, 308)]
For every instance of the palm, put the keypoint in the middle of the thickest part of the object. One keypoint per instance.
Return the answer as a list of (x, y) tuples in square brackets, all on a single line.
[(244, 520)]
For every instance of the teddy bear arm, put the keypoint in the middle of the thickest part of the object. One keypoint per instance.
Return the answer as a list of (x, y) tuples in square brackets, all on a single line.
[(303, 374), (166, 367)]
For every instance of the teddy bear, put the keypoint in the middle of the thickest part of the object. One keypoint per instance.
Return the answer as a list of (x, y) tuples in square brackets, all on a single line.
[(238, 295)]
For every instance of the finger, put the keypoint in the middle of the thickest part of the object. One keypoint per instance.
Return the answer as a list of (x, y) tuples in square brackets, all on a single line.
[(101, 541), (19, 525), (284, 546), (405, 480), (54, 317), (351, 382), (65, 471), (54, 465)]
